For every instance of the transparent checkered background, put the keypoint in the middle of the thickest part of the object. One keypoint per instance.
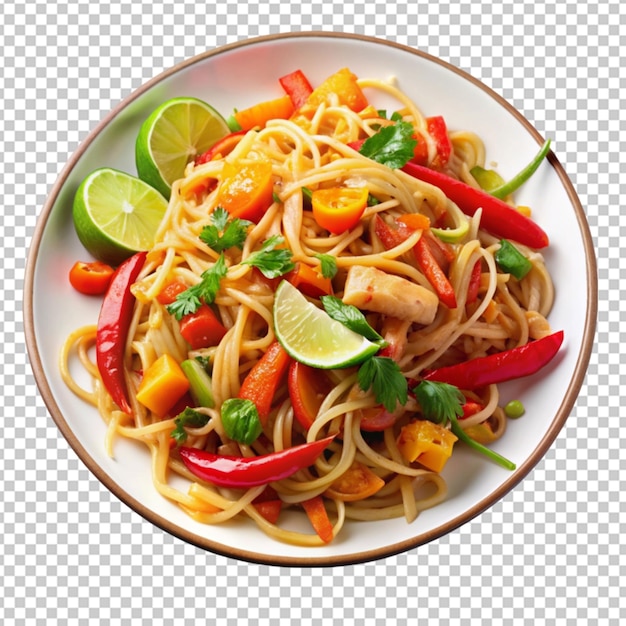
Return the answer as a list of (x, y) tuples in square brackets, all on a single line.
[(551, 552)]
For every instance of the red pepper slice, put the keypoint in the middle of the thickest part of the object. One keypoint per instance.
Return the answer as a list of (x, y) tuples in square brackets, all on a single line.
[(438, 130), (474, 283), (502, 366), (202, 328), (115, 316), (318, 516), (498, 217), (263, 379), (297, 87), (433, 272), (245, 472), (221, 148), (307, 389)]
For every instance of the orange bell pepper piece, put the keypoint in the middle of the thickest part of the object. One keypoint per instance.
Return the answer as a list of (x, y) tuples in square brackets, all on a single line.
[(358, 483), (316, 512), (246, 191), (427, 443), (162, 385), (309, 281), (259, 114), (339, 209), (344, 84)]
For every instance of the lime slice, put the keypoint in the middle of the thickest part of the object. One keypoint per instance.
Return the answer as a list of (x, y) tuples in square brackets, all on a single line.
[(116, 214), (173, 135), (309, 335)]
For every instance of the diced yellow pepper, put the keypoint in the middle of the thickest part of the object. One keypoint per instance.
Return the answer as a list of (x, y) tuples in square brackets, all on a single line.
[(162, 386), (427, 443)]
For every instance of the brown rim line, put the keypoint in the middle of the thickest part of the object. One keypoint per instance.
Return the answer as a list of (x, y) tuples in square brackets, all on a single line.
[(344, 559)]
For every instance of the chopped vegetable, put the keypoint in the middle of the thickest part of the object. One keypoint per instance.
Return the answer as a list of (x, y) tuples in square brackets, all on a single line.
[(273, 259), (240, 419), (501, 366), (498, 218), (170, 291), (308, 386), (342, 84), (434, 274), (245, 472), (308, 281), (263, 379), (246, 191), (201, 386), (511, 260), (113, 323), (259, 114), (223, 147), (202, 329), (427, 443), (297, 87), (162, 385), (318, 516), (91, 278), (339, 209), (438, 130), (392, 145), (356, 483)]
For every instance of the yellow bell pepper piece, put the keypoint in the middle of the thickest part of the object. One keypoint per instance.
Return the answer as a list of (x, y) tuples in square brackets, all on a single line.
[(427, 443), (162, 386)]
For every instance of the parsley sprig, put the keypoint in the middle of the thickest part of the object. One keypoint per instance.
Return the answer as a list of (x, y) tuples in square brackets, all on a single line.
[(382, 375), (189, 418), (225, 232), (272, 260), (393, 145), (442, 403), (190, 300)]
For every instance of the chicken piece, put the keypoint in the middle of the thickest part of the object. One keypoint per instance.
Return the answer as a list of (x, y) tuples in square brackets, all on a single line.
[(374, 290)]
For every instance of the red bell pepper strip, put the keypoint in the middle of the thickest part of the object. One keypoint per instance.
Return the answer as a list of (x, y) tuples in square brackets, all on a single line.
[(433, 272), (244, 472), (202, 328), (221, 148), (318, 516), (500, 367), (263, 379), (113, 322), (498, 218), (297, 87), (438, 130), (308, 387), (474, 283)]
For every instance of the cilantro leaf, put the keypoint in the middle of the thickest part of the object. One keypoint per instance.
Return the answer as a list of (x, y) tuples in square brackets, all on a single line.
[(270, 260), (328, 265), (224, 232), (384, 377), (392, 145), (188, 418), (190, 300), (349, 316)]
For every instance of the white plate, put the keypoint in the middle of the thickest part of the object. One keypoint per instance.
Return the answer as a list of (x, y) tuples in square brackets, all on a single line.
[(242, 74)]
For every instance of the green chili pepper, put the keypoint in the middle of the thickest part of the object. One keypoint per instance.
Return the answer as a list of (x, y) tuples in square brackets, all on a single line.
[(512, 261), (240, 419), (517, 181), (487, 179)]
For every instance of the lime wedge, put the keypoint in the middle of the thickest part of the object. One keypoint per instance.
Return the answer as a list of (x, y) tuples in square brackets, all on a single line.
[(309, 335), (116, 214), (172, 136)]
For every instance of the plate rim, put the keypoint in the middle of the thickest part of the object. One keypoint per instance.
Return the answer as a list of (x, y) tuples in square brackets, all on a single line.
[(205, 543)]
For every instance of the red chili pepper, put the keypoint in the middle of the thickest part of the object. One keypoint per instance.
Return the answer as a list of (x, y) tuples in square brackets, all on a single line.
[(115, 316), (500, 367), (498, 218), (202, 328), (297, 87), (245, 472), (263, 379)]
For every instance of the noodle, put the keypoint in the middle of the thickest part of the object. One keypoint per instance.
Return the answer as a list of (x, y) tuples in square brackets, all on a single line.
[(311, 151)]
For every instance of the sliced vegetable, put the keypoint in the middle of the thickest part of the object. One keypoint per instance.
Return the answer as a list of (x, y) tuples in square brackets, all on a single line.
[(297, 87), (170, 292), (357, 483), (263, 379), (342, 84), (498, 218), (502, 366), (245, 472), (517, 181), (488, 180), (246, 191), (113, 322), (339, 209), (91, 278), (438, 130), (427, 443), (474, 284), (308, 281), (433, 272), (240, 419), (377, 419), (308, 386), (162, 385), (318, 516), (269, 509), (258, 115), (201, 386), (223, 147), (201, 328), (511, 260)]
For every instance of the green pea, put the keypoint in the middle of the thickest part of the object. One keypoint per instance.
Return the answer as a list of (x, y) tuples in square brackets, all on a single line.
[(514, 409)]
